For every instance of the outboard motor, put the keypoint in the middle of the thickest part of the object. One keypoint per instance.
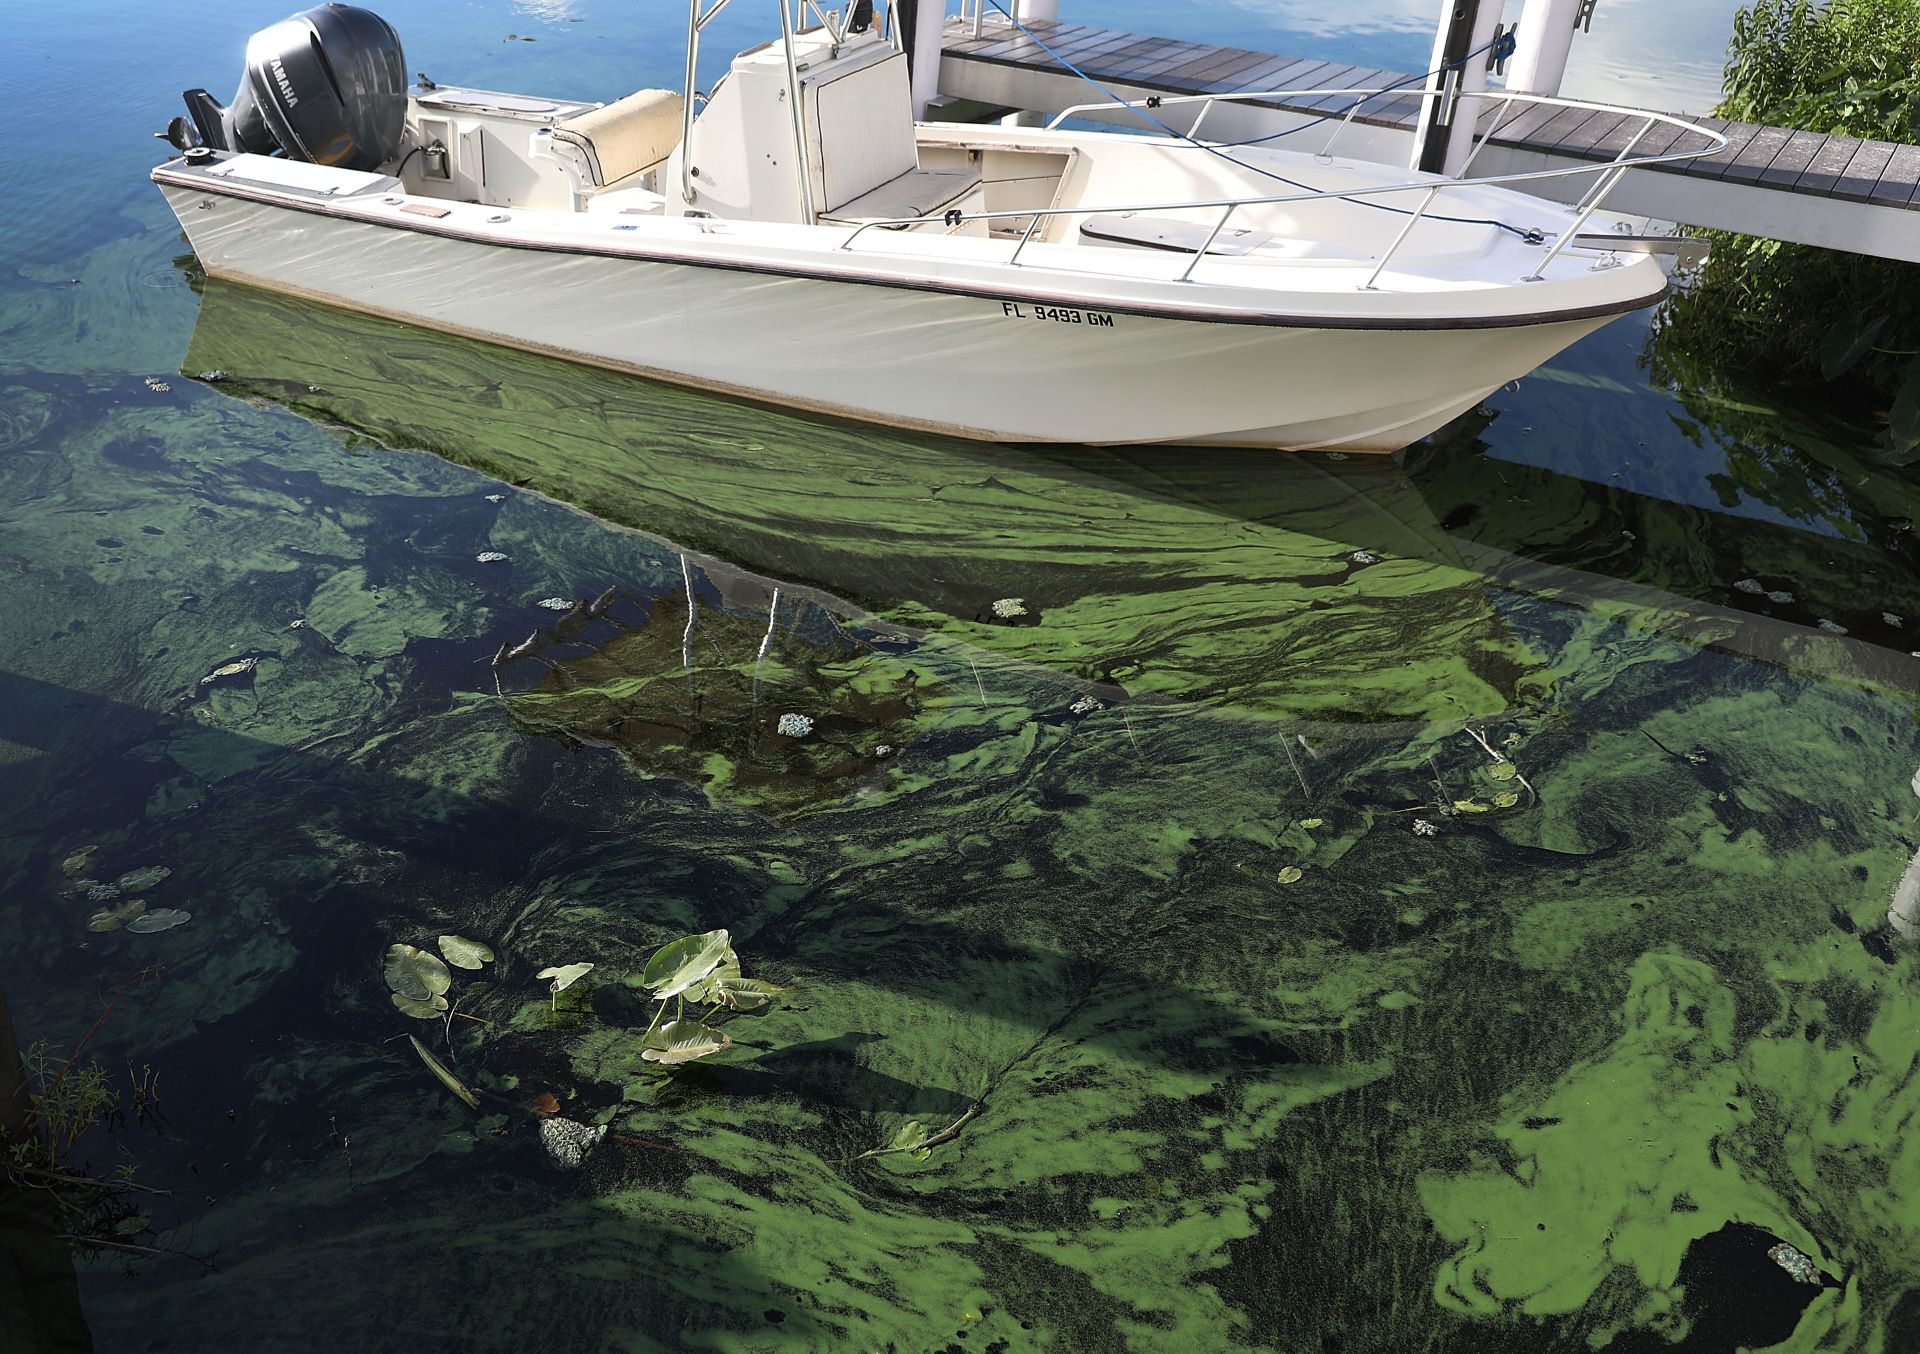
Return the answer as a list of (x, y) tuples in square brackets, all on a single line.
[(328, 85)]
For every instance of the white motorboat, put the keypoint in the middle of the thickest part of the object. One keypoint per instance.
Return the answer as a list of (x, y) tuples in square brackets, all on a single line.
[(795, 236)]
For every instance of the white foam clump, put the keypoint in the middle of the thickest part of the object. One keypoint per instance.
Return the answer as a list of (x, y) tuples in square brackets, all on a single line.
[(795, 726)]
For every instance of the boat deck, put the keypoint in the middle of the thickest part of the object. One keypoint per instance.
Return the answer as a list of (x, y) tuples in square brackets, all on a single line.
[(1812, 167)]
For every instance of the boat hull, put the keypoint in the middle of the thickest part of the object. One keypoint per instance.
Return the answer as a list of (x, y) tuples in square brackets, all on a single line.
[(982, 366)]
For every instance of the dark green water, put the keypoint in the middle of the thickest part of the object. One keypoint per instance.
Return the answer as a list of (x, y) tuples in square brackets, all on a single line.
[(1553, 1075)]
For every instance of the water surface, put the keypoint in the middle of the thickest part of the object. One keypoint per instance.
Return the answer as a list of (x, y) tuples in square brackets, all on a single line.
[(1434, 903)]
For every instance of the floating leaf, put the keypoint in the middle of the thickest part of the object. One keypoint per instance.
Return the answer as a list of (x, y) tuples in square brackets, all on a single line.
[(1468, 806), (544, 1103), (1504, 771), (113, 918), (1311, 823), (1290, 875), (447, 1078), (464, 953), (432, 1009), (684, 963), (160, 919), (681, 1041), (912, 1138), (79, 862), (738, 994), (1506, 799), (139, 881), (240, 667), (565, 975), (412, 972)]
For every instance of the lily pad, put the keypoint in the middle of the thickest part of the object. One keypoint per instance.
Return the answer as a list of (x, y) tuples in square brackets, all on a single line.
[(420, 1010), (1506, 799), (912, 1139), (113, 918), (142, 879), (1311, 823), (565, 975), (1504, 771), (447, 1078), (240, 667), (464, 953), (160, 919), (685, 963), (79, 862), (681, 1041), (1468, 806), (412, 972), (1291, 875)]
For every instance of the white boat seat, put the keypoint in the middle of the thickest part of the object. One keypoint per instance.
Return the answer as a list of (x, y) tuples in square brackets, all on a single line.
[(918, 192), (627, 136), (1170, 233)]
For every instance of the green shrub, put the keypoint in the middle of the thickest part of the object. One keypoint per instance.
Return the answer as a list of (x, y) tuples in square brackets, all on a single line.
[(1780, 313)]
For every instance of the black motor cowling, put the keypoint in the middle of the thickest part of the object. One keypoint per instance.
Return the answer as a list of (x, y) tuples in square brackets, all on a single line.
[(328, 85)]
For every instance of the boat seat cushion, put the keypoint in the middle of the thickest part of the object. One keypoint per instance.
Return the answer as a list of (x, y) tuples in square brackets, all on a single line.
[(626, 136), (918, 192)]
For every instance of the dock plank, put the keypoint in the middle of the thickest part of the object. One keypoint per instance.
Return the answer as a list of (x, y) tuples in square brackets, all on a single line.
[(1856, 182), (1824, 171), (1899, 179), (1793, 159), (1752, 163), (1582, 140)]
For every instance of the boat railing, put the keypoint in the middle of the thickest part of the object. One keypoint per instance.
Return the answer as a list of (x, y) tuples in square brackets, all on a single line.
[(1608, 172)]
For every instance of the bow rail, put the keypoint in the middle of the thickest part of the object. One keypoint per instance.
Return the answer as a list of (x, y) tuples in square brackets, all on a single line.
[(1608, 172)]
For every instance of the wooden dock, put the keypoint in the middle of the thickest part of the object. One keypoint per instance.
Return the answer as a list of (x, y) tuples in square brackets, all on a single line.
[(1806, 187)]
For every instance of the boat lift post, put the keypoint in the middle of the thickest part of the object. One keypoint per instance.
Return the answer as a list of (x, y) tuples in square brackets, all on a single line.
[(1445, 135), (1544, 36)]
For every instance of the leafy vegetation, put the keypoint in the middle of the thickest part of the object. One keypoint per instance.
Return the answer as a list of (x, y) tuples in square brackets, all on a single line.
[(1764, 311)]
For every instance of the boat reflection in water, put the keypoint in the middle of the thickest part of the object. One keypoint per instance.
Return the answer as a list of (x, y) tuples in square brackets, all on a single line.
[(859, 576)]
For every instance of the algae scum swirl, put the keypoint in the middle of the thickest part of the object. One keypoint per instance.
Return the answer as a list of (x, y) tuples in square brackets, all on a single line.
[(1199, 903)]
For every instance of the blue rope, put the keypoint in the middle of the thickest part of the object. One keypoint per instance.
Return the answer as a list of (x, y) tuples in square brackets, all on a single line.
[(1505, 41)]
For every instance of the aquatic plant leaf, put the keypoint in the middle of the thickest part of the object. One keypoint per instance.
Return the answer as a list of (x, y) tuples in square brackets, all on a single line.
[(544, 1103), (113, 918), (1290, 875), (412, 972), (1850, 339), (1311, 823), (739, 994), (1468, 806), (447, 1078), (1506, 799), (1504, 771), (681, 1041), (79, 862), (684, 963), (136, 881), (240, 667), (912, 1138), (565, 975), (464, 953), (420, 1010), (160, 919)]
